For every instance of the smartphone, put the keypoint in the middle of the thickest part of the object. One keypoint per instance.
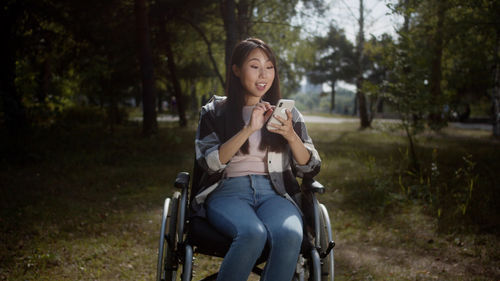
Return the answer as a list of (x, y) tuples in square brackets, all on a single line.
[(280, 110)]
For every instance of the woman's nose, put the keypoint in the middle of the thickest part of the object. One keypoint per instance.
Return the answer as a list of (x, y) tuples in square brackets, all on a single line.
[(263, 73)]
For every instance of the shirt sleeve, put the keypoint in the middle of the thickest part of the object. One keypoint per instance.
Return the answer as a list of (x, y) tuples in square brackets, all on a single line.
[(207, 141), (312, 167)]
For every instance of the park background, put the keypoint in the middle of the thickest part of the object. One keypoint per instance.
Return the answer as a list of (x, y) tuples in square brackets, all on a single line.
[(100, 101)]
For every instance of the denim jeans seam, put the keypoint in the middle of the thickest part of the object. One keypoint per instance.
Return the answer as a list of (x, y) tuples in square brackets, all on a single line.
[(252, 179), (270, 243)]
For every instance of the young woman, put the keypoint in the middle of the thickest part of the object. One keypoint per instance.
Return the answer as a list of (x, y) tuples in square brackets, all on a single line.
[(248, 181)]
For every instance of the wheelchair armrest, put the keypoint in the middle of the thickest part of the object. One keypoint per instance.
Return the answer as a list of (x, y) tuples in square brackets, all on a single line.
[(182, 180), (309, 184)]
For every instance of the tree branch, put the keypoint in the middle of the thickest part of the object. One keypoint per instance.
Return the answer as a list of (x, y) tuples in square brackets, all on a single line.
[(209, 48)]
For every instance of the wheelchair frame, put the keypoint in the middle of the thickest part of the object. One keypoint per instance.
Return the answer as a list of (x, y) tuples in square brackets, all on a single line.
[(175, 251)]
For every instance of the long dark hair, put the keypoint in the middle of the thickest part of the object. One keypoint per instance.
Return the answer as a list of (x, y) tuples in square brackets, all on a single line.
[(236, 94)]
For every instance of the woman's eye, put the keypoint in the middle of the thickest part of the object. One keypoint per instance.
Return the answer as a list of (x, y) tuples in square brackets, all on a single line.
[(254, 66), (270, 67)]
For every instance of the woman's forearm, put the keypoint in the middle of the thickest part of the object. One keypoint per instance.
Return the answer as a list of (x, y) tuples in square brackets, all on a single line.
[(228, 149), (300, 153)]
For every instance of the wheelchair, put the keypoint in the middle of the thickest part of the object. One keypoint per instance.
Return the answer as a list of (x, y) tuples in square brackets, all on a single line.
[(181, 236)]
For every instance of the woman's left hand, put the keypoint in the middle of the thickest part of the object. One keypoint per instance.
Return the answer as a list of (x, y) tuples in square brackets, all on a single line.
[(300, 152), (286, 127)]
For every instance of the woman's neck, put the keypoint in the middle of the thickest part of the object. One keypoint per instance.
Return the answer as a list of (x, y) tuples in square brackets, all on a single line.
[(250, 100)]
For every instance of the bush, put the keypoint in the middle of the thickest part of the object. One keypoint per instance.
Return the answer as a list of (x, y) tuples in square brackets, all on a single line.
[(452, 192)]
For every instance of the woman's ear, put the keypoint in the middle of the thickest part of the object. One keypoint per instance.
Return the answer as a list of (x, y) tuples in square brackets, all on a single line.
[(236, 70)]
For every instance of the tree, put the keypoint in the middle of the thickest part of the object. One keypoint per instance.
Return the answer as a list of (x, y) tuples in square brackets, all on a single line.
[(335, 61), (496, 90), (60, 54), (270, 21), (166, 20), (11, 19), (172, 67), (405, 88), (472, 56), (377, 72), (360, 95), (236, 24), (435, 116), (146, 61)]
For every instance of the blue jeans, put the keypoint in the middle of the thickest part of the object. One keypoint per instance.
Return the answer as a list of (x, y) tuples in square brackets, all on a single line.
[(248, 210)]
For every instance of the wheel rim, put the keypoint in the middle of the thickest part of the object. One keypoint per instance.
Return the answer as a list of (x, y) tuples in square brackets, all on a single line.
[(325, 239), (161, 246)]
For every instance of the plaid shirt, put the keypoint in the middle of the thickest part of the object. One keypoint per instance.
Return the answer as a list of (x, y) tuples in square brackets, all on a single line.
[(282, 167)]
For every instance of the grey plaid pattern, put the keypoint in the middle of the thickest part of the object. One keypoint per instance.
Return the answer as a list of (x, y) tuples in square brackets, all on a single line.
[(281, 165)]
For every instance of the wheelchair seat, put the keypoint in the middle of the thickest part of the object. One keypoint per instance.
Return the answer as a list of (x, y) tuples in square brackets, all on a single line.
[(206, 238)]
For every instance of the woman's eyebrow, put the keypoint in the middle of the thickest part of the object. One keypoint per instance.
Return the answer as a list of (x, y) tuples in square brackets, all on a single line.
[(257, 59)]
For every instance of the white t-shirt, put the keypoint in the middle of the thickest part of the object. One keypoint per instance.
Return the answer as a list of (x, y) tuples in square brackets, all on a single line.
[(253, 163)]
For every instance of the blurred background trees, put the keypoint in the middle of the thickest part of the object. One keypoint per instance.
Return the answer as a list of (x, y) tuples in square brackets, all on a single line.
[(92, 58)]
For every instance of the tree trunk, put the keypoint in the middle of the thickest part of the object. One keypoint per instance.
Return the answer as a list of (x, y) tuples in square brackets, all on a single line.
[(363, 111), (237, 24), (380, 105), (159, 101), (496, 91), (355, 106), (172, 68), (112, 111), (14, 111), (194, 98), (435, 116), (243, 21), (332, 102), (150, 125), (228, 11)]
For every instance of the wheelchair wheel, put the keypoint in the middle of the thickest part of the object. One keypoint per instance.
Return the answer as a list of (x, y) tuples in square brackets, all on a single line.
[(167, 259), (327, 263)]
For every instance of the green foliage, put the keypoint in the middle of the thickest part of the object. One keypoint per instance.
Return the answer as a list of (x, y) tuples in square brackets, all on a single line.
[(455, 185), (329, 59), (334, 60), (320, 102), (84, 53), (449, 191), (467, 58)]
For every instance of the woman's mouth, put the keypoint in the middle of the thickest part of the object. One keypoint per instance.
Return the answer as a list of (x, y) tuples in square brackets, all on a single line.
[(261, 86)]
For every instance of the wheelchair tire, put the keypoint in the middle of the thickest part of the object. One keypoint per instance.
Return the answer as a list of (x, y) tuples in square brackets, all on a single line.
[(167, 258), (327, 263)]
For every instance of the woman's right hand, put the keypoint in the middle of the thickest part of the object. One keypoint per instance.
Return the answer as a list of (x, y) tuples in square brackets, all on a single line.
[(260, 114)]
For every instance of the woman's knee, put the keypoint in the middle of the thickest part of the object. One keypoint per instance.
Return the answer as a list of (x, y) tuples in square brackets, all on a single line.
[(254, 235), (288, 236), (294, 235)]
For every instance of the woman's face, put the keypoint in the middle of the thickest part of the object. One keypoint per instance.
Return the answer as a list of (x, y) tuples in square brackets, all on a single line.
[(256, 75)]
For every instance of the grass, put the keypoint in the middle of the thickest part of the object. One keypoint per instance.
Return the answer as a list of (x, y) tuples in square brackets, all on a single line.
[(84, 204)]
